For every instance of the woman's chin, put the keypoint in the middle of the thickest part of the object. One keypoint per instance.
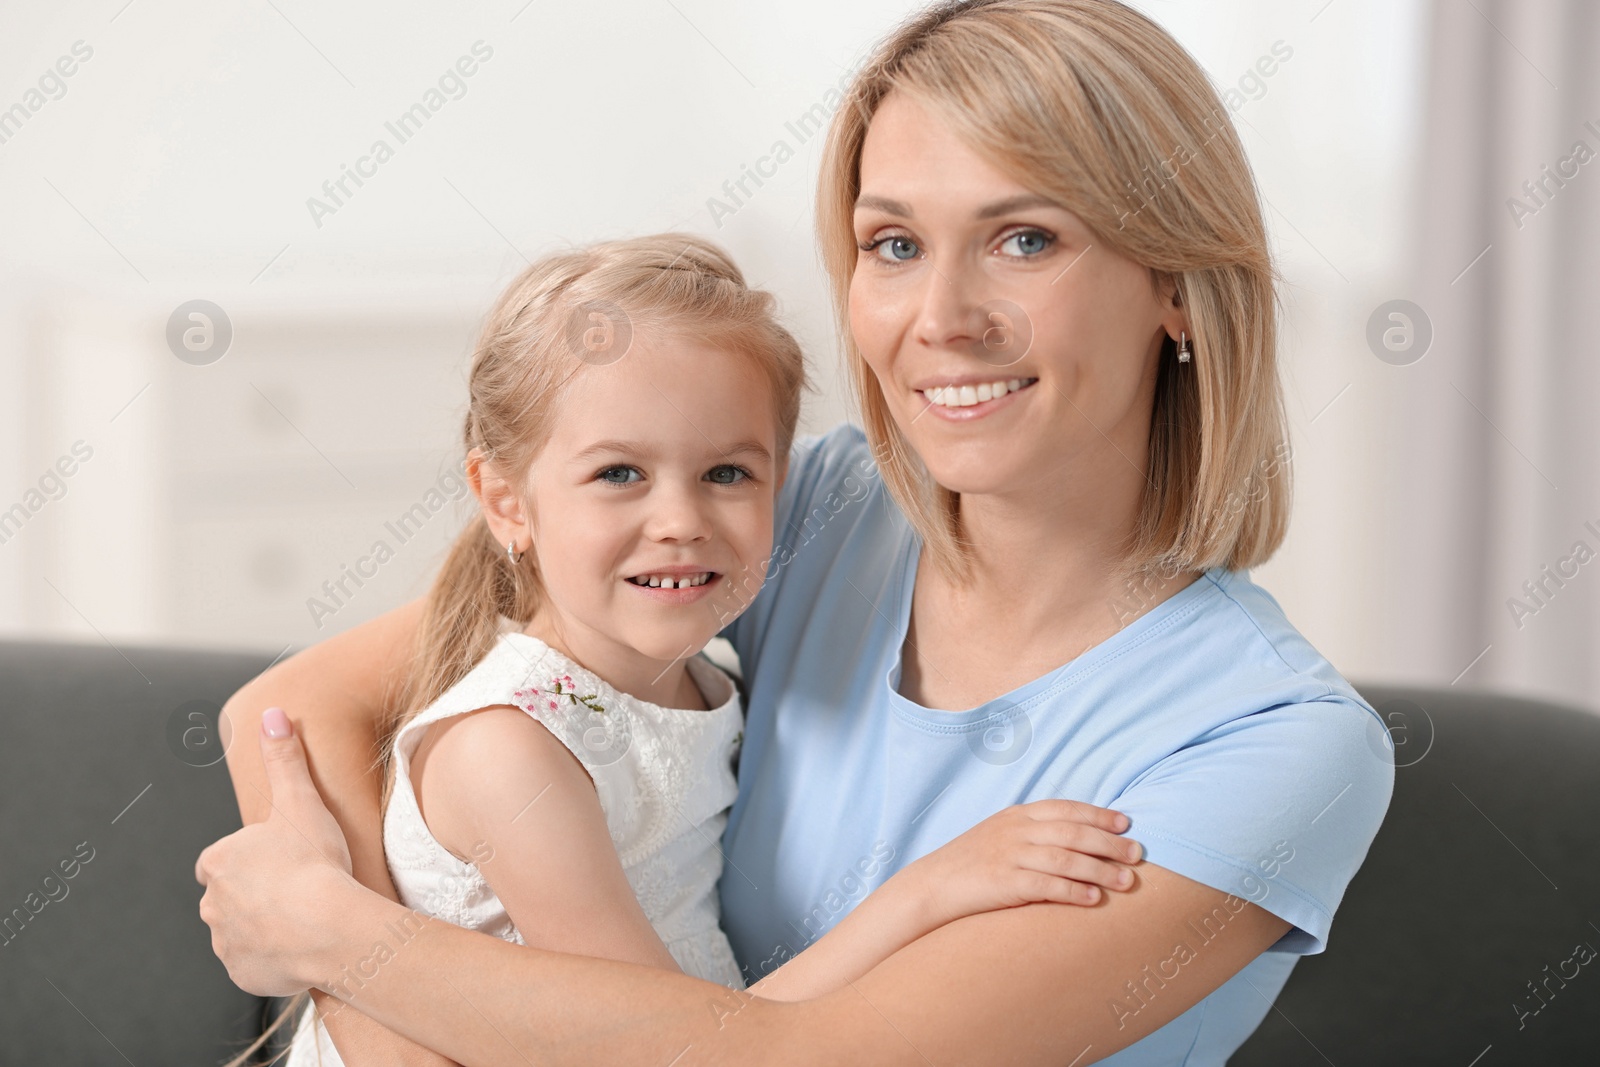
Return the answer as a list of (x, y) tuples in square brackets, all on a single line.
[(966, 479), (978, 466)]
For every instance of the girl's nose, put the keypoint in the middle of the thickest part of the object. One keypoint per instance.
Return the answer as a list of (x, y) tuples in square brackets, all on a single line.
[(676, 514)]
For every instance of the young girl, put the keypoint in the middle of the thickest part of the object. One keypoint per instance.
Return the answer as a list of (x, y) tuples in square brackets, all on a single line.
[(563, 770)]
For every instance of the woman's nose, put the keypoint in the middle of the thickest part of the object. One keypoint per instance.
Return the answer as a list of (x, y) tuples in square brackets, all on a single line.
[(947, 312)]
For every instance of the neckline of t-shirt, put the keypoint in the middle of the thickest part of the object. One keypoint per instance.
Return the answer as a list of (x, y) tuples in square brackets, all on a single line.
[(704, 671), (1164, 615)]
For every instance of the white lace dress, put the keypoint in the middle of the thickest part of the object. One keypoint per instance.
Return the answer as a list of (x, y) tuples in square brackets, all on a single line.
[(665, 781)]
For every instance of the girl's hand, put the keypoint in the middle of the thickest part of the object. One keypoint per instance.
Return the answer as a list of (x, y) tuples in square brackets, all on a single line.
[(1049, 850)]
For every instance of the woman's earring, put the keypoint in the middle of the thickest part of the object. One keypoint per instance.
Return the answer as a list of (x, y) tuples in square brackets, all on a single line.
[(1183, 347), (512, 554)]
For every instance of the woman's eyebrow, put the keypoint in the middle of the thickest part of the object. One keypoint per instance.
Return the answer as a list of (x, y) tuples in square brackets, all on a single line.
[(1021, 202), (885, 205), (1016, 203)]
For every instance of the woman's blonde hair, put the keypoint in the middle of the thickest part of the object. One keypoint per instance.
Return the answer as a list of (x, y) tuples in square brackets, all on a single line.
[(531, 346), (1092, 104)]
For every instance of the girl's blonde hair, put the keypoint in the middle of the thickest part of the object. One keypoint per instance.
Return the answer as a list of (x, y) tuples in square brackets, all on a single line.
[(668, 284), (1092, 104), (532, 344)]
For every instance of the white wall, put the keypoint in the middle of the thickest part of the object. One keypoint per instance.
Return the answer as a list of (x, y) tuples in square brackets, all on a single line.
[(179, 162)]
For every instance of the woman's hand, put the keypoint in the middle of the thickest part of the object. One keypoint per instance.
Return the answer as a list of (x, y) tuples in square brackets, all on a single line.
[(269, 885), (1049, 850)]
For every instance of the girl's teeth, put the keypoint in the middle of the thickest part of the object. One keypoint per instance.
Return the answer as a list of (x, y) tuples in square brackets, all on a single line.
[(964, 396), (656, 581)]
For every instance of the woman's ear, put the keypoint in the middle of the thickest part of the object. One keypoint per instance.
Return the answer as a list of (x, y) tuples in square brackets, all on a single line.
[(1174, 319), (1169, 301), (499, 501)]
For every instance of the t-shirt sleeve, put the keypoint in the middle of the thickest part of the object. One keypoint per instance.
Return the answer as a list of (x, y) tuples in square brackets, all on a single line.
[(1277, 807)]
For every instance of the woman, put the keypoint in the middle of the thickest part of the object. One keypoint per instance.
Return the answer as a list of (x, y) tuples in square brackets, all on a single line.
[(993, 595)]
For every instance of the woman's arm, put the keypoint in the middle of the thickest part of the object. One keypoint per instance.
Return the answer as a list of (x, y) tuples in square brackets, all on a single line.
[(1043, 983), (338, 690)]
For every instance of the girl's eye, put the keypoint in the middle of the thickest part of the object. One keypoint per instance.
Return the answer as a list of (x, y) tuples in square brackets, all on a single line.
[(620, 475), (727, 474), (1026, 243), (895, 249)]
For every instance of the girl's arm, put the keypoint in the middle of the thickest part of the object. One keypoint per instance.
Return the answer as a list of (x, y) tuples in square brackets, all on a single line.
[(338, 690), (1046, 851), (497, 789)]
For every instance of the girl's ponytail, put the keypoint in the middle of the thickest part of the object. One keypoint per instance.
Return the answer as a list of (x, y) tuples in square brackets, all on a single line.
[(477, 585)]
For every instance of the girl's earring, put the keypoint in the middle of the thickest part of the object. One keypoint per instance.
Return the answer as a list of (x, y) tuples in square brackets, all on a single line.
[(1183, 347), (512, 554)]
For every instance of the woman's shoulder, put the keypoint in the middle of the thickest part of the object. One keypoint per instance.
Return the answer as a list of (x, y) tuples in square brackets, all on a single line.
[(1264, 648), (835, 523), (1225, 684), (838, 462), (845, 440), (1257, 752)]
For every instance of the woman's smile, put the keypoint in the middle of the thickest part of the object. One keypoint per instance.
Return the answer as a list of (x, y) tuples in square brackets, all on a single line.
[(965, 399)]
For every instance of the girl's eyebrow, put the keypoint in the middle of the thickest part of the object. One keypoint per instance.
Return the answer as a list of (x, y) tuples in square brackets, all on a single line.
[(753, 448), (612, 447), (607, 447)]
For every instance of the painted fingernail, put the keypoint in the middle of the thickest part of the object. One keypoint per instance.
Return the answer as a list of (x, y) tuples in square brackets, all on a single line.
[(1123, 822), (1124, 877), (1135, 850), (275, 724)]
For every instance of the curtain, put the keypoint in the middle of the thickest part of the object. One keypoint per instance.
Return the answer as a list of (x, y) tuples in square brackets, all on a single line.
[(1489, 471)]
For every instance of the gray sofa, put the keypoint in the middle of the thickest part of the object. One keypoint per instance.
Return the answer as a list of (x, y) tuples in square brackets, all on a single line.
[(1483, 881)]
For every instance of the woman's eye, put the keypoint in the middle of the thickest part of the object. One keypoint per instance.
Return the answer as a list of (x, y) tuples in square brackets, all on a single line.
[(1025, 243), (895, 249), (620, 475), (727, 474)]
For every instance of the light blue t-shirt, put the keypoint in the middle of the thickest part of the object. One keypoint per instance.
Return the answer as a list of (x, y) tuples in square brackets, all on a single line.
[(1243, 759)]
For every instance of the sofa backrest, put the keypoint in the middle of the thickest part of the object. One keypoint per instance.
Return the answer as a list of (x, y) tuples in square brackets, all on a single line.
[(1462, 934), (111, 782), (1460, 937)]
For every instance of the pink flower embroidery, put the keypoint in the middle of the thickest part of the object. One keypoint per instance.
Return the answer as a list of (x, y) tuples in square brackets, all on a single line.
[(560, 687)]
